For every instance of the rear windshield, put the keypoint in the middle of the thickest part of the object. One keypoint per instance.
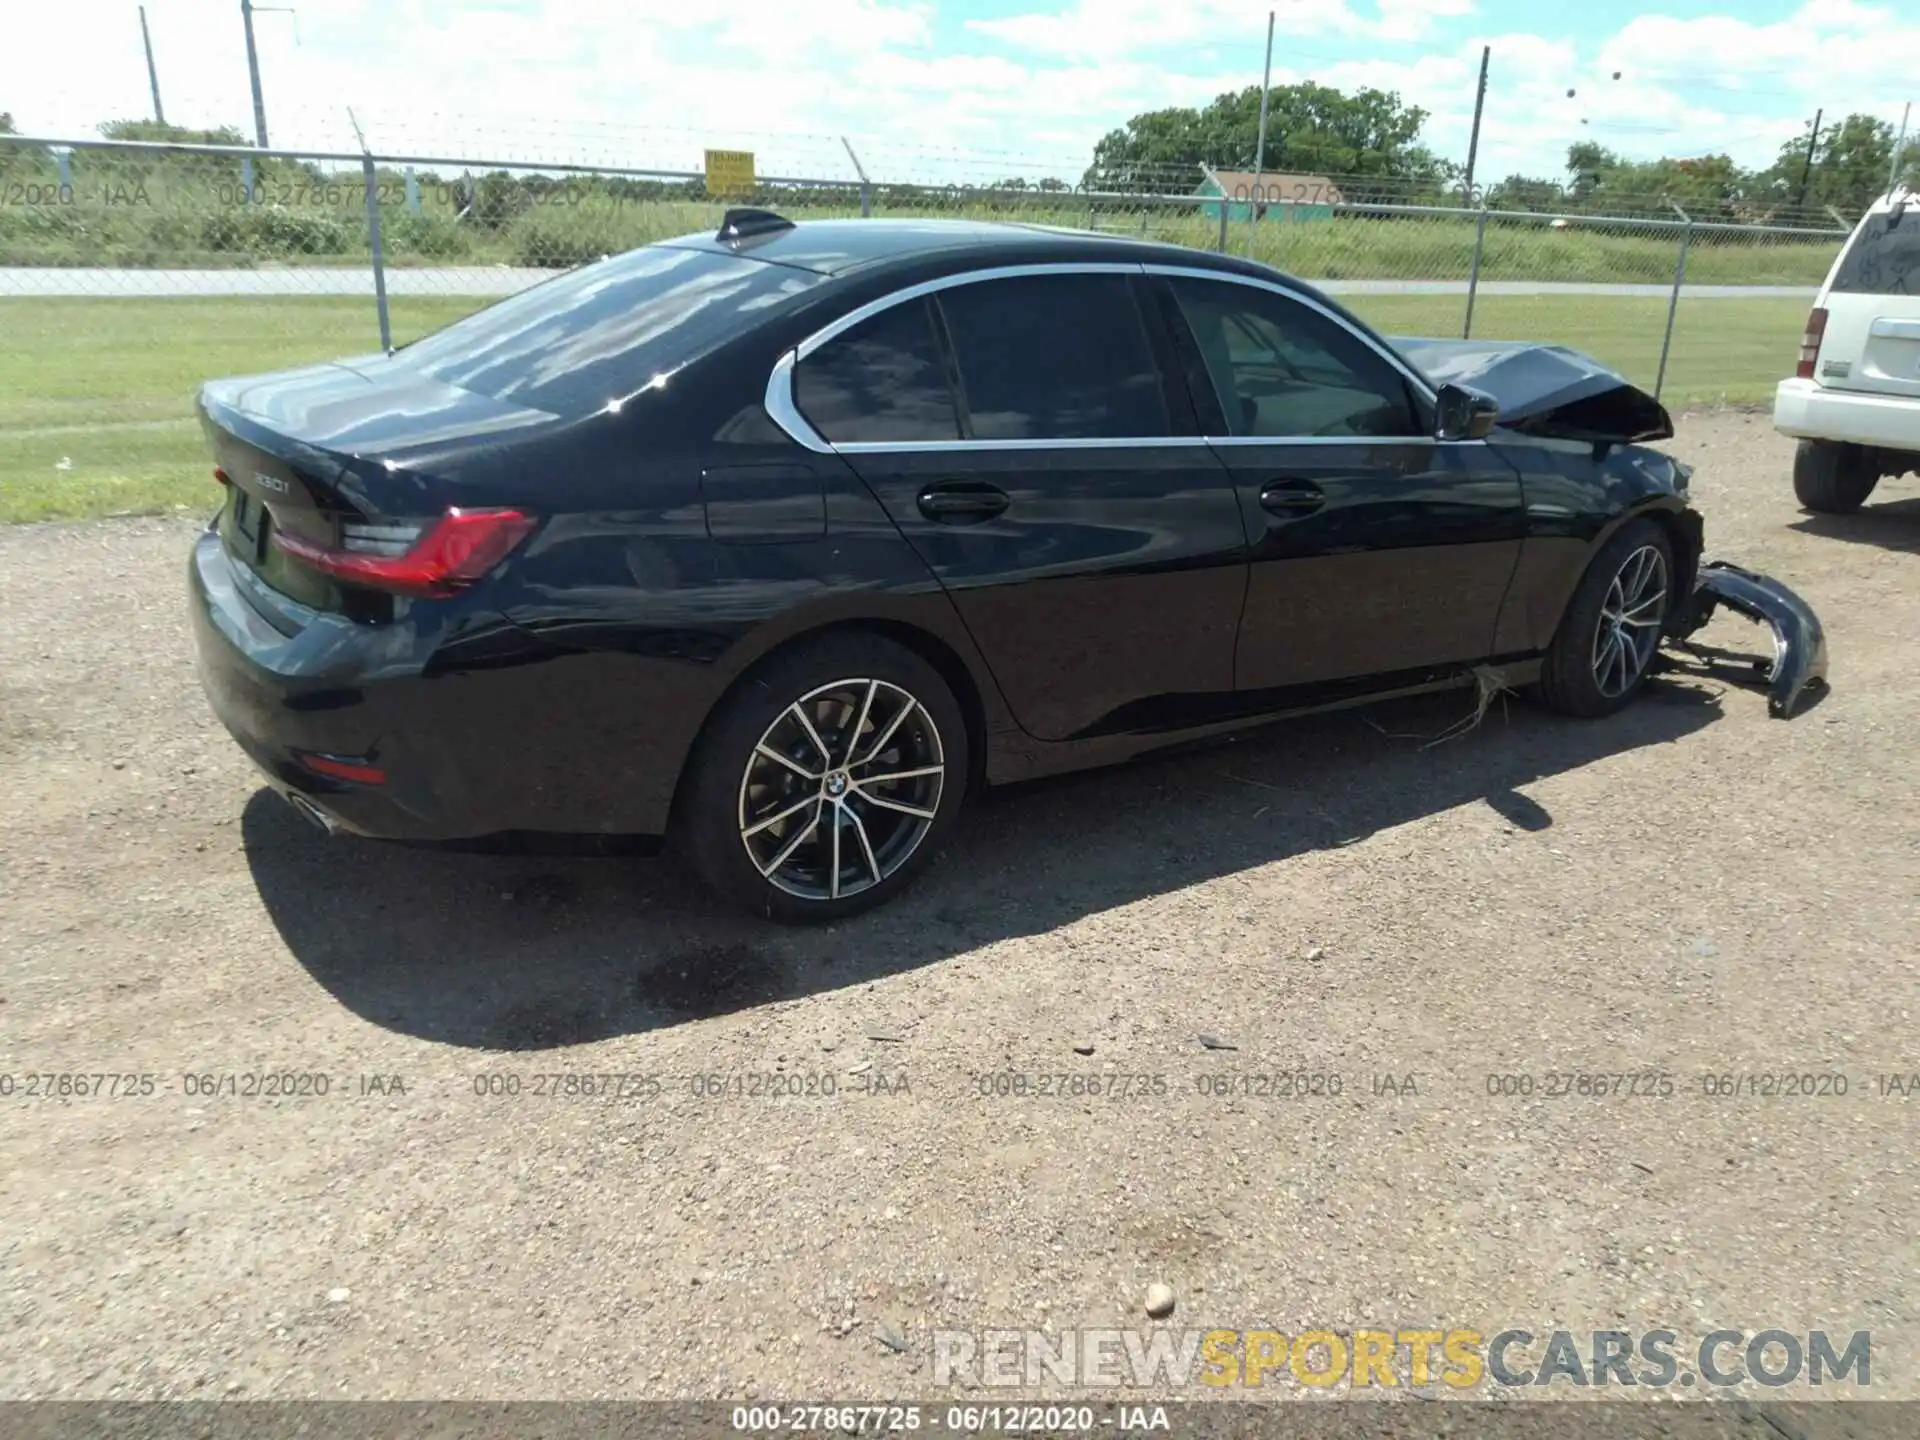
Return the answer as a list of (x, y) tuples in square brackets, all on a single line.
[(603, 331), (1884, 258)]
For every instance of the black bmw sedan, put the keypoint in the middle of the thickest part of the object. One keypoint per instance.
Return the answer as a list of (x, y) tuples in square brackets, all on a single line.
[(781, 540)]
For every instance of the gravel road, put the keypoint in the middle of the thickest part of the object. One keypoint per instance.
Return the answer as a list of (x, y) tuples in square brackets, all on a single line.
[(1690, 888)]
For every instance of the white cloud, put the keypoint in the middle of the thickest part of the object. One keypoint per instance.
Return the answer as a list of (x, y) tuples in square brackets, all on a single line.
[(1417, 19), (653, 82), (1094, 29)]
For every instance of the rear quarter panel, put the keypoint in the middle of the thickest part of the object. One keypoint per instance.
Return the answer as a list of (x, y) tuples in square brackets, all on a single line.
[(686, 539)]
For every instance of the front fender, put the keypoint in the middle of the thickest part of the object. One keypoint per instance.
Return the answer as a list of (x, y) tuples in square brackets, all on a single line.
[(1799, 641)]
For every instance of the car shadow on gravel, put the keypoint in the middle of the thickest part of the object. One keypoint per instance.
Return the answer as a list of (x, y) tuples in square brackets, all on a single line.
[(1892, 525), (536, 951)]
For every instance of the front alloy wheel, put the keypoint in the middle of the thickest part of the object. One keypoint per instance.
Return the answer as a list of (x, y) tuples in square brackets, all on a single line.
[(1630, 618), (841, 788), (1603, 650)]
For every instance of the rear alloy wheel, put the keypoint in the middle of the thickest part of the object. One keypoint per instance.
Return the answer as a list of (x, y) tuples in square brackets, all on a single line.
[(1832, 478), (1611, 630), (841, 789), (844, 763)]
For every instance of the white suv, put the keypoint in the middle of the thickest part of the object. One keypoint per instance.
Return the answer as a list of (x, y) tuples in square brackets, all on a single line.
[(1854, 401)]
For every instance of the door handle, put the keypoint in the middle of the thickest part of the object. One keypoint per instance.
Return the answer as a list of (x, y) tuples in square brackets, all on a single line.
[(961, 502), (1292, 497)]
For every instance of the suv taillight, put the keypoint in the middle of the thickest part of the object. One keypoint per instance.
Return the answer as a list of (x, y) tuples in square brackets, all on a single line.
[(1810, 342), (427, 559)]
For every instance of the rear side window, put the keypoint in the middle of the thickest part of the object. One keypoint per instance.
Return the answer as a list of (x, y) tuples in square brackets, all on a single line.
[(883, 380), (1884, 258), (1054, 357), (604, 331)]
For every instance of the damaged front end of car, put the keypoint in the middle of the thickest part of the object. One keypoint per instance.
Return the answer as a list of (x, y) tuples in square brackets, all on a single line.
[(1557, 393), (1797, 672)]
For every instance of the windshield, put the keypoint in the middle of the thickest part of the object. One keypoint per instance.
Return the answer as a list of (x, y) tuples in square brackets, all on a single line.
[(602, 332)]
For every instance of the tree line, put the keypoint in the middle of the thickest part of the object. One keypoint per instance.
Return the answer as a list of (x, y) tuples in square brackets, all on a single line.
[(1369, 141), (1844, 166)]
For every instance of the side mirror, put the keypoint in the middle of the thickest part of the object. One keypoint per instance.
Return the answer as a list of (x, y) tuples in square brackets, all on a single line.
[(1461, 413)]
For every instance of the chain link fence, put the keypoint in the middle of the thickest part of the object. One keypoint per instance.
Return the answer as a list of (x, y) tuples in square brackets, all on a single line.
[(1701, 308)]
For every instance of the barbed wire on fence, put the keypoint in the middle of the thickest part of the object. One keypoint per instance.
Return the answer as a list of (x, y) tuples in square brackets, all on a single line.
[(237, 220)]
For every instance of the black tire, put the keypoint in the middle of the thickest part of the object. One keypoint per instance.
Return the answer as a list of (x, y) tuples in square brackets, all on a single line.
[(1569, 680), (732, 785), (1831, 478)]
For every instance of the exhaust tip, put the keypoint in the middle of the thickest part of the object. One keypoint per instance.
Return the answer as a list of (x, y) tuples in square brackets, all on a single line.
[(311, 812)]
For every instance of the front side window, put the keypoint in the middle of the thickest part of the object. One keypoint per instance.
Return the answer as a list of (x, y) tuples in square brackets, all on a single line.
[(883, 380), (1280, 369), (1054, 357), (1884, 258)]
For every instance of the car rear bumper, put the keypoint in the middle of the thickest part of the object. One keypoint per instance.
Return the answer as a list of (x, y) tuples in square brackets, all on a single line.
[(1809, 411), (341, 689)]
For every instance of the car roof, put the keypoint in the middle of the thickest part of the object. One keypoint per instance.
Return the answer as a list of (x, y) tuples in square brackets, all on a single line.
[(838, 247)]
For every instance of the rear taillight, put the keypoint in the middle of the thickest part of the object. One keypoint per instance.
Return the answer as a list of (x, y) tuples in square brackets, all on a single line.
[(430, 558), (1810, 343), (222, 476), (388, 540)]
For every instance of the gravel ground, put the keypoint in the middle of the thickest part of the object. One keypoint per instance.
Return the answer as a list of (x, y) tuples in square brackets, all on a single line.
[(1690, 888)]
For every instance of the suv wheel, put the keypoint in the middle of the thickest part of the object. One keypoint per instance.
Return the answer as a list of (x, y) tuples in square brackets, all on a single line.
[(826, 781), (1832, 478)]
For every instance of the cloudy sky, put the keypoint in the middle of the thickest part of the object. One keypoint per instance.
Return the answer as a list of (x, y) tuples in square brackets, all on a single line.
[(957, 90)]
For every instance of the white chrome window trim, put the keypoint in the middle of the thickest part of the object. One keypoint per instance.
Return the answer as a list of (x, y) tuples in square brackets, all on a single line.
[(948, 282), (1231, 441), (1139, 442), (780, 404), (1099, 442), (785, 414)]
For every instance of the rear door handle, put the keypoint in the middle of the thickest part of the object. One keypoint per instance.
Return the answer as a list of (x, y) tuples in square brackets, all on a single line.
[(1291, 497), (962, 502)]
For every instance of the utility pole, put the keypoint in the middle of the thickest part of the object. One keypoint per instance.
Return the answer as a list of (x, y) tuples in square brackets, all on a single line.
[(1806, 168), (1893, 170), (253, 74), (153, 74), (247, 7), (1479, 105), (1260, 143)]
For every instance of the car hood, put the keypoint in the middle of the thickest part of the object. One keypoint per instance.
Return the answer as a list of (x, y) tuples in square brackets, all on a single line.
[(1544, 389)]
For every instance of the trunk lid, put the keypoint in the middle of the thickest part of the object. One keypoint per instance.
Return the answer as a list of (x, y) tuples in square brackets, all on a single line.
[(1546, 390), (307, 452)]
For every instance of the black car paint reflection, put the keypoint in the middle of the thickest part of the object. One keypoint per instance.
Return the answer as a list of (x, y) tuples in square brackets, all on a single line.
[(1129, 595)]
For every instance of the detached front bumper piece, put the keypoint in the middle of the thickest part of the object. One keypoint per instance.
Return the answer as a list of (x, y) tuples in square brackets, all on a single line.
[(1799, 665)]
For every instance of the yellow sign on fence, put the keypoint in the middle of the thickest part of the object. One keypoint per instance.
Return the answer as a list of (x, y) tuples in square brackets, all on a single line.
[(730, 174)]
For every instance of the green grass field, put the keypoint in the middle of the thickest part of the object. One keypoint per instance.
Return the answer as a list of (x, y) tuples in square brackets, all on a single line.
[(96, 396), (187, 214)]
